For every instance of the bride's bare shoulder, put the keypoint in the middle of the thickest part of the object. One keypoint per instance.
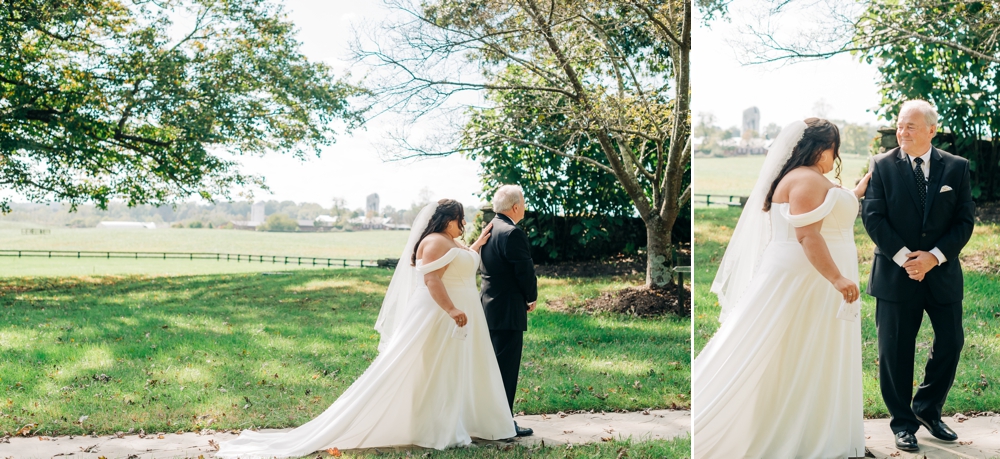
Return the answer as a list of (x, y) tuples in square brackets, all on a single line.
[(434, 246), (801, 184), (807, 190)]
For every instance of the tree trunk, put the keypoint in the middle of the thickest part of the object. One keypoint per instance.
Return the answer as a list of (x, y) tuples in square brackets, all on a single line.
[(658, 259)]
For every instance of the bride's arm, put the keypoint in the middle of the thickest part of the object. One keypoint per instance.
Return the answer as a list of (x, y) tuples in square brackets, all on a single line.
[(804, 197), (483, 237), (432, 249)]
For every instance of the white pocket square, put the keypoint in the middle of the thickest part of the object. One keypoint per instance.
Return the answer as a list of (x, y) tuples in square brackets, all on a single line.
[(945, 188)]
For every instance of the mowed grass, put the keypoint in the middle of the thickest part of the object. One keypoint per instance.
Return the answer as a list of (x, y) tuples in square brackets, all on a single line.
[(977, 385), (234, 351), (736, 176), (676, 448), (370, 245)]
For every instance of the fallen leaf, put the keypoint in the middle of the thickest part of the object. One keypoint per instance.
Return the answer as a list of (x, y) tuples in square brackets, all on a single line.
[(213, 444), (965, 442), (567, 431), (606, 438), (334, 452)]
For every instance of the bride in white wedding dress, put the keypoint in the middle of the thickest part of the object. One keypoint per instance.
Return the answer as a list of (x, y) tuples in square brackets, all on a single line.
[(435, 382), (781, 378)]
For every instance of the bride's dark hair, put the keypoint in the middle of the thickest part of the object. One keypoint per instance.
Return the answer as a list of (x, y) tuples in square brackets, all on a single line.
[(819, 136), (447, 211)]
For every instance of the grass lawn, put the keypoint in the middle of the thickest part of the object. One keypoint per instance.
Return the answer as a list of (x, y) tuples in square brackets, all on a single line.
[(676, 448), (977, 385), (234, 351), (736, 176), (360, 244)]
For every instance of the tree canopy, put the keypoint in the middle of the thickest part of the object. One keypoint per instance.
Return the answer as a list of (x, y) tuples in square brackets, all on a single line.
[(602, 84), (150, 102)]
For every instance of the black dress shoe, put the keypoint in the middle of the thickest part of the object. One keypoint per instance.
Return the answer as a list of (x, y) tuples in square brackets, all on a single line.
[(939, 429), (522, 431), (905, 441)]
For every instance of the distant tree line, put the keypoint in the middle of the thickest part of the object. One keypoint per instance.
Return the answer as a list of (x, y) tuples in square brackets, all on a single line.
[(197, 215), (856, 138)]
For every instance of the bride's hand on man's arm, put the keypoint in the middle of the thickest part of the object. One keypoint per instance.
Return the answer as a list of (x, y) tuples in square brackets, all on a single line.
[(859, 191), (483, 237)]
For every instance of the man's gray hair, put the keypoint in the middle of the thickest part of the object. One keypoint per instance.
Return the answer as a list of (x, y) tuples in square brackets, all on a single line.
[(930, 113), (506, 196)]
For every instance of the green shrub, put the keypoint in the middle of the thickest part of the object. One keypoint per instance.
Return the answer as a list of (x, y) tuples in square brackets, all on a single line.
[(279, 223)]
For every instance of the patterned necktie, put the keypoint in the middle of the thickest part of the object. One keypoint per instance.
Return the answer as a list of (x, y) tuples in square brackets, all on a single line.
[(918, 172)]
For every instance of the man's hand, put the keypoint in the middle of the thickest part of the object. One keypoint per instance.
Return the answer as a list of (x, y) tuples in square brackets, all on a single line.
[(531, 305), (919, 263)]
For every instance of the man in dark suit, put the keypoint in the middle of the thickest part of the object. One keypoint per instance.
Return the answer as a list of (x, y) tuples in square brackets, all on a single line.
[(918, 210), (509, 287)]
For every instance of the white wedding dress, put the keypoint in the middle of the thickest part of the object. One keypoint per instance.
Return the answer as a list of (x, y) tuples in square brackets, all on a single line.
[(781, 378), (425, 388)]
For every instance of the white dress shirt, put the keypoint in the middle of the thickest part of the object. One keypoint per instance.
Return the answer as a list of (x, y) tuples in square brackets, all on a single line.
[(900, 256)]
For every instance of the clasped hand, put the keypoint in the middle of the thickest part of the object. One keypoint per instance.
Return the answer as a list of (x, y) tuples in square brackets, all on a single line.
[(918, 263), (847, 288)]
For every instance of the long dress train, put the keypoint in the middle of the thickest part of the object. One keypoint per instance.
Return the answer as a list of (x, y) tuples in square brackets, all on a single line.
[(781, 378), (425, 388)]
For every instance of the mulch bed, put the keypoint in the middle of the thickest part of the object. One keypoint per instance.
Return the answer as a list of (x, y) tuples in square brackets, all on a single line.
[(635, 301), (642, 302), (988, 212)]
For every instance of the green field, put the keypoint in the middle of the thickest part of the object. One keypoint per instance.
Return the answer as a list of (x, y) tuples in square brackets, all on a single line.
[(676, 448), (977, 385), (353, 245), (240, 350), (736, 176)]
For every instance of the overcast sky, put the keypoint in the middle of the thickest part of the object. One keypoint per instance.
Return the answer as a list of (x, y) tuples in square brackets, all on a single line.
[(722, 86)]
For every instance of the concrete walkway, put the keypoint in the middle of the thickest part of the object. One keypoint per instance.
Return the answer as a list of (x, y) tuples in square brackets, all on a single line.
[(978, 438), (552, 429)]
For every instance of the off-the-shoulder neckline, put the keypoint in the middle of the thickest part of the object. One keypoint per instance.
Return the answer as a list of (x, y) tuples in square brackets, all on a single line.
[(824, 197), (420, 260)]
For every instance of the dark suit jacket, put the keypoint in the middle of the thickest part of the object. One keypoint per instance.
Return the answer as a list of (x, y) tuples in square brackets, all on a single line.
[(509, 282), (890, 212)]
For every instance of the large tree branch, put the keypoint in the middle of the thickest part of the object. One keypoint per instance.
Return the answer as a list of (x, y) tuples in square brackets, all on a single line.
[(656, 21), (582, 159), (948, 43)]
